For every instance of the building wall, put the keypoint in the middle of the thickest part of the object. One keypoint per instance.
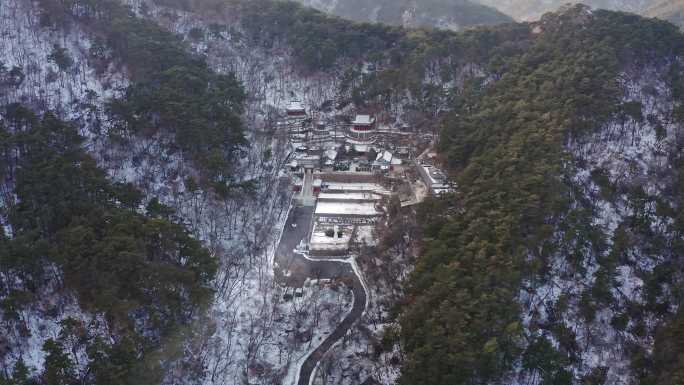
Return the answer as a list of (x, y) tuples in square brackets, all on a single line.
[(347, 177), (426, 178)]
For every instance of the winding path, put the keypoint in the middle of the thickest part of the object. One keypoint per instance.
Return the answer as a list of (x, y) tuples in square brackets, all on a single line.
[(302, 267)]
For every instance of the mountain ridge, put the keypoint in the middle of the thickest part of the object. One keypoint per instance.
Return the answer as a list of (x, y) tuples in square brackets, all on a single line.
[(533, 9), (671, 10), (453, 15)]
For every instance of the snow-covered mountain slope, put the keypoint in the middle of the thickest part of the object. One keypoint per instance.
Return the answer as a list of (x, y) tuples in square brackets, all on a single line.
[(29, 75), (453, 15), (602, 291), (239, 331), (564, 232), (76, 90), (273, 72)]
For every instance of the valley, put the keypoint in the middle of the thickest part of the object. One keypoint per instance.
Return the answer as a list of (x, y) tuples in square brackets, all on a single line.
[(344, 177)]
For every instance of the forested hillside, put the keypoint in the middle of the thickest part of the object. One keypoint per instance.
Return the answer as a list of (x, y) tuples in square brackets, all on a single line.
[(566, 232), (171, 89), (68, 219), (101, 281)]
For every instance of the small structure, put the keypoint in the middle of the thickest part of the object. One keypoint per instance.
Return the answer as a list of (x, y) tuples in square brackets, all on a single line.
[(317, 183), (294, 166), (307, 161), (347, 209), (363, 123), (360, 148), (320, 127), (384, 161), (345, 188), (403, 152), (331, 154), (349, 197), (435, 179), (298, 128), (330, 239), (342, 165), (363, 166), (296, 110)]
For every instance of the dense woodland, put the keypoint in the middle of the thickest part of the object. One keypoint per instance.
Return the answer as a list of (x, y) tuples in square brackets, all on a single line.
[(138, 267), (172, 90), (133, 263), (504, 144)]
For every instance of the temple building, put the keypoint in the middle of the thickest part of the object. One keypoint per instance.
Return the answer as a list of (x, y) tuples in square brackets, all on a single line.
[(296, 110), (362, 128)]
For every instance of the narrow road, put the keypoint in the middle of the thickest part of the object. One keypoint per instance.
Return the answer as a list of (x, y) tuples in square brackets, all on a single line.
[(300, 268), (308, 367)]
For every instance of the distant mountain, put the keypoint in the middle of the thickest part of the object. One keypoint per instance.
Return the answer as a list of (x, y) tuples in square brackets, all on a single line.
[(532, 9), (671, 10), (449, 14)]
